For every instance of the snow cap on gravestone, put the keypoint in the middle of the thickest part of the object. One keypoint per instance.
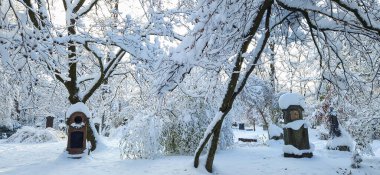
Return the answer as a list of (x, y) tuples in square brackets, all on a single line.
[(288, 99), (78, 107)]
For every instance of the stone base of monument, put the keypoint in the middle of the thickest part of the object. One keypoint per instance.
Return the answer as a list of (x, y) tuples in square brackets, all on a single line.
[(277, 137), (247, 140), (307, 155), (291, 151), (75, 156), (342, 143), (340, 148)]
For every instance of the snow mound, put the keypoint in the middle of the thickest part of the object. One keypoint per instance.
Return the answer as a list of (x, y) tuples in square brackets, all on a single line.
[(29, 134), (344, 140), (78, 107), (274, 130), (288, 99)]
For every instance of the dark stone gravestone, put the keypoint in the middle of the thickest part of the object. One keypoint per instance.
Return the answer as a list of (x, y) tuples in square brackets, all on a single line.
[(77, 133), (97, 127), (254, 124), (334, 126), (299, 137), (49, 121), (265, 127), (241, 126)]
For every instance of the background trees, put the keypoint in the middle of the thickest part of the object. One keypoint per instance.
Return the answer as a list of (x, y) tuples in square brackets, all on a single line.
[(78, 50), (334, 32)]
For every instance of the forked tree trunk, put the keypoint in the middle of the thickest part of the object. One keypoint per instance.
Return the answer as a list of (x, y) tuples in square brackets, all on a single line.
[(231, 94), (37, 17)]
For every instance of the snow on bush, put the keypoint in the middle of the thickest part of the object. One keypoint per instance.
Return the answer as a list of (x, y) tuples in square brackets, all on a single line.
[(141, 138), (288, 99), (174, 131), (323, 133), (182, 134), (274, 130), (356, 159), (29, 134)]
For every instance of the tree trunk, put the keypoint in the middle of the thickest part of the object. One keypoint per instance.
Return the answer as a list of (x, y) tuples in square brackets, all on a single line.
[(231, 94), (214, 146), (91, 137), (72, 86), (272, 67)]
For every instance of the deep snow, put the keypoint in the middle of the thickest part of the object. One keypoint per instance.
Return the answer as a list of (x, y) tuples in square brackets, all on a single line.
[(242, 159)]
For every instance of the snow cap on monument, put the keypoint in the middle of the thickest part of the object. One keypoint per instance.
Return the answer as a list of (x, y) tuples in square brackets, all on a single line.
[(78, 107), (288, 99)]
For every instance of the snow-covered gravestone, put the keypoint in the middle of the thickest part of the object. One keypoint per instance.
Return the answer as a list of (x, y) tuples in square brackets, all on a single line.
[(77, 129), (296, 136), (339, 139)]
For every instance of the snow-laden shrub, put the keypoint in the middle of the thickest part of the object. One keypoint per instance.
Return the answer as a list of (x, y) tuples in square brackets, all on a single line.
[(356, 159), (29, 134), (141, 138), (362, 131), (117, 133), (226, 134), (6, 123), (323, 133), (182, 133)]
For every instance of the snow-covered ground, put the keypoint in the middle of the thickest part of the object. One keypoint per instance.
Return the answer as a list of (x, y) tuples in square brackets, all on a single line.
[(241, 159)]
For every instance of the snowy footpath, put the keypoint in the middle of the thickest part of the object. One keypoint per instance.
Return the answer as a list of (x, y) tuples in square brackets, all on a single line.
[(242, 159)]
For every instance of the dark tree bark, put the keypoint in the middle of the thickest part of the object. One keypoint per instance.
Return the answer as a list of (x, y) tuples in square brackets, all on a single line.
[(81, 8), (231, 94), (72, 84), (272, 67)]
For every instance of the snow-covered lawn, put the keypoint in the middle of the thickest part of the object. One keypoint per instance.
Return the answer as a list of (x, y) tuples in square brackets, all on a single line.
[(242, 159)]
